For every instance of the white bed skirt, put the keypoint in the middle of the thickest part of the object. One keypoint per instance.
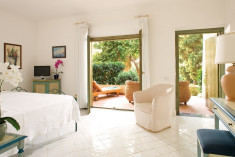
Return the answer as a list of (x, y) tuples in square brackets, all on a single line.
[(37, 113)]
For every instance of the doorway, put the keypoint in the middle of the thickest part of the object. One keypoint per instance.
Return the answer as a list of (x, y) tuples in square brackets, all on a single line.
[(112, 61), (197, 77)]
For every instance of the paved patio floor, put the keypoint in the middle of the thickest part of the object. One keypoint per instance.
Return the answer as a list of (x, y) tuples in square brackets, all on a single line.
[(113, 101), (196, 105)]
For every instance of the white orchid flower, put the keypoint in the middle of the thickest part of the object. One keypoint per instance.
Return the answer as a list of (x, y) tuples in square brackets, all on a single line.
[(12, 75)]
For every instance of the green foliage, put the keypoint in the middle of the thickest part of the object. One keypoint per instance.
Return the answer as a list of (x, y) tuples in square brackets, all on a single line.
[(199, 78), (190, 56), (116, 51), (123, 76), (184, 75), (12, 121), (106, 73), (125, 51), (194, 89)]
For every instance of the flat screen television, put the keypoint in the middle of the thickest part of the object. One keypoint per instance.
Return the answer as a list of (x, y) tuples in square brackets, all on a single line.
[(42, 71)]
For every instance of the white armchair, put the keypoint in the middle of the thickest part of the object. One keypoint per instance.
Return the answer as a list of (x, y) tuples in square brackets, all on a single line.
[(153, 109)]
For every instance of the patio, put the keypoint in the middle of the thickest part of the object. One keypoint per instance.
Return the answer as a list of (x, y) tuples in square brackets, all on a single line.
[(113, 101), (196, 105)]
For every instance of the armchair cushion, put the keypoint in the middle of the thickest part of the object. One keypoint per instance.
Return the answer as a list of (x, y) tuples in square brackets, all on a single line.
[(142, 96), (144, 107)]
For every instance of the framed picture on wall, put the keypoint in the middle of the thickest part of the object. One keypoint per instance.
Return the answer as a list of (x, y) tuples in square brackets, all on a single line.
[(59, 52), (13, 54)]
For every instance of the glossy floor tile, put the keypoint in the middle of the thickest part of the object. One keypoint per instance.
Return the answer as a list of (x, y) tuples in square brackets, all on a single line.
[(113, 133)]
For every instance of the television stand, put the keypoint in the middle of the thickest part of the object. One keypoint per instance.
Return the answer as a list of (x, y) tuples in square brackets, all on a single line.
[(42, 78), (45, 86)]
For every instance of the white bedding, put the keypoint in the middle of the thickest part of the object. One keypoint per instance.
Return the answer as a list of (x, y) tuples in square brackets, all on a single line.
[(37, 113)]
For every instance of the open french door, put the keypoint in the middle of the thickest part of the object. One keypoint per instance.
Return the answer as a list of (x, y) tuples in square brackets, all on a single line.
[(140, 54), (89, 60), (214, 72), (89, 83)]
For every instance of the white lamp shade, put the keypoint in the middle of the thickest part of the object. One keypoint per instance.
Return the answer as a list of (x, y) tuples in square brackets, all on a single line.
[(225, 49)]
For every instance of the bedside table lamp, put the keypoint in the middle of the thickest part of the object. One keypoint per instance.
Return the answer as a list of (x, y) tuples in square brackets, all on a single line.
[(225, 53)]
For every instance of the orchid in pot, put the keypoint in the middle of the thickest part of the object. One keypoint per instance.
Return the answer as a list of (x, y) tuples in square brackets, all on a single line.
[(13, 76), (57, 63)]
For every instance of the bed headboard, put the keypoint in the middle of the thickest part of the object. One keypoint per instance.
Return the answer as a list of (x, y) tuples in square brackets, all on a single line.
[(56, 91), (19, 89)]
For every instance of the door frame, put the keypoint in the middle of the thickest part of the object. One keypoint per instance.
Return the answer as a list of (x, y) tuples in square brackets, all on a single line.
[(221, 67), (89, 59)]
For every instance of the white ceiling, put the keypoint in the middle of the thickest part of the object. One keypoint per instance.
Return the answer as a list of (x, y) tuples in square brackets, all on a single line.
[(46, 9)]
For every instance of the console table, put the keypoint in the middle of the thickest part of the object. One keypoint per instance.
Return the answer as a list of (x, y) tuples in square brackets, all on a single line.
[(10, 141), (225, 111)]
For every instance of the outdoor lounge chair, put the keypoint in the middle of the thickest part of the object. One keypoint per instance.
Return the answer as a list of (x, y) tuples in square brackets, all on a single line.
[(97, 90)]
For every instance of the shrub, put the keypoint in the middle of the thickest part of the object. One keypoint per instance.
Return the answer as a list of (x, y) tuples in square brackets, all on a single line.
[(107, 72), (199, 78), (123, 76), (194, 89)]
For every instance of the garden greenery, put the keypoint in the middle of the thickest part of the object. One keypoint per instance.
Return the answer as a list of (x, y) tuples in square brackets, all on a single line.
[(190, 57), (190, 60), (125, 51), (112, 73), (123, 76), (107, 72), (194, 89), (112, 58)]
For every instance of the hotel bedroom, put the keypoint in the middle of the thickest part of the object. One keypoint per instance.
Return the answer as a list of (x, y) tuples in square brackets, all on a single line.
[(63, 124)]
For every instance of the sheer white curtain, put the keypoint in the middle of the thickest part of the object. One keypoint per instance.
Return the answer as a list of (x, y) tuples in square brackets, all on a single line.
[(81, 64), (145, 53)]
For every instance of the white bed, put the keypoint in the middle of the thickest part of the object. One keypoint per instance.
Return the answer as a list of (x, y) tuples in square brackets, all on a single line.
[(37, 113)]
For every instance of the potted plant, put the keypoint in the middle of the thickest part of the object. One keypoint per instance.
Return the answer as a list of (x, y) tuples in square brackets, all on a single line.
[(13, 76), (3, 125), (57, 63)]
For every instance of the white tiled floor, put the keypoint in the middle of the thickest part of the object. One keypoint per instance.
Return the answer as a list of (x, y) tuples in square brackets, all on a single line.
[(113, 133)]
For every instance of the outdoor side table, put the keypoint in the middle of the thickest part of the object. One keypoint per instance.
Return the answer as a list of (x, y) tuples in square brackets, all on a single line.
[(12, 140)]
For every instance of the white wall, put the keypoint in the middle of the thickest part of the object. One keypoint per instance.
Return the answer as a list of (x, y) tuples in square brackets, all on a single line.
[(230, 15), (57, 33), (63, 32), (165, 19), (19, 30)]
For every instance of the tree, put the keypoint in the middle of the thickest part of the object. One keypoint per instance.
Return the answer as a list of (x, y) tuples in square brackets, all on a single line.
[(125, 51), (190, 56)]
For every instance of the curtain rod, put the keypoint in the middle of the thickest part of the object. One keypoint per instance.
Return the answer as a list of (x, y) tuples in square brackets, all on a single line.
[(113, 20)]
